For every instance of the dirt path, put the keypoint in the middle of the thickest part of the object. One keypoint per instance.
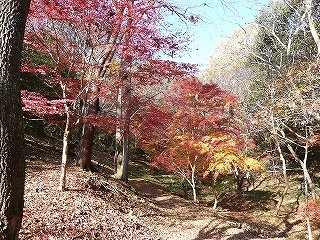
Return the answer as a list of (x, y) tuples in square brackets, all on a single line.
[(181, 219), (91, 210)]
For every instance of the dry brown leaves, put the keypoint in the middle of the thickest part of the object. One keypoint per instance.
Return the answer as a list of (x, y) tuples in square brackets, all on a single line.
[(83, 211)]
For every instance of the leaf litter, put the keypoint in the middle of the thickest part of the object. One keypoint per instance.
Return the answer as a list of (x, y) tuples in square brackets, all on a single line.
[(95, 206)]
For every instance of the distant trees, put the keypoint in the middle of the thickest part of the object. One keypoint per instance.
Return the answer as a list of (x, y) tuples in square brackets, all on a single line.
[(283, 48), (228, 64), (12, 166), (283, 91)]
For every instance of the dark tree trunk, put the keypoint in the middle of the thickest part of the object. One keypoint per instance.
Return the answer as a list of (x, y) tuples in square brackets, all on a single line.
[(12, 166), (88, 134), (86, 146)]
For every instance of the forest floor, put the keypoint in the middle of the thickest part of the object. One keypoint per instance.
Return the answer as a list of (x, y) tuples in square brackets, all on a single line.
[(95, 206)]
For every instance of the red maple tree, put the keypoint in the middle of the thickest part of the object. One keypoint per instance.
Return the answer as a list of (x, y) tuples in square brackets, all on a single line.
[(103, 51), (202, 139)]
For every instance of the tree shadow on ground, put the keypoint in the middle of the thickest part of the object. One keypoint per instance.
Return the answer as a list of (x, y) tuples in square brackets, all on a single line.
[(150, 202), (237, 229)]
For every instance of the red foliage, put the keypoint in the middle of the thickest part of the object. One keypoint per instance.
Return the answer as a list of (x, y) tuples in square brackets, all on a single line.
[(150, 127), (37, 105), (313, 210), (95, 39), (201, 123)]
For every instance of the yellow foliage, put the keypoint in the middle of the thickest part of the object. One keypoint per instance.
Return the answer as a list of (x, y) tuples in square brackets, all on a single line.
[(253, 164), (202, 147), (226, 161)]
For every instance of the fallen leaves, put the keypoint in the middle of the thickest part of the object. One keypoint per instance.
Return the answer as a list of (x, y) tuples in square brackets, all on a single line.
[(81, 212)]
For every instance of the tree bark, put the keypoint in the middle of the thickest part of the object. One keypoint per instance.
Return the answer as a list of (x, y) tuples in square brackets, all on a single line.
[(312, 26), (123, 114), (125, 150), (12, 166), (66, 135), (305, 171), (86, 146), (193, 183), (285, 176), (88, 134), (118, 155), (123, 129)]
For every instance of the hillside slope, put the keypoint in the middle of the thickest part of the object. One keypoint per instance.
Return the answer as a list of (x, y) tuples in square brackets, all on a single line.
[(98, 207)]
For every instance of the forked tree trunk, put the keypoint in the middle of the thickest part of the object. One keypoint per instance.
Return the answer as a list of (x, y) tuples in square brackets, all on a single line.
[(12, 166), (305, 171), (191, 181)]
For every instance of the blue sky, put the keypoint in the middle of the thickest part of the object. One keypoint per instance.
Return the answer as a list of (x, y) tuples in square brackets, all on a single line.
[(219, 18)]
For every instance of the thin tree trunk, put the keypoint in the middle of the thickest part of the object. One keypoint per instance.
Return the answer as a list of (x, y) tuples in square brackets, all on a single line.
[(118, 155), (284, 166), (193, 184), (66, 135), (312, 26), (308, 178), (306, 192), (285, 176), (12, 165), (125, 151), (215, 196)]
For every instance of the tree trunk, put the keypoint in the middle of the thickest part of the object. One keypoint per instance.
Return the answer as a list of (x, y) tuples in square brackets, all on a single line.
[(118, 155), (191, 181), (312, 25), (285, 176), (305, 171), (86, 143), (125, 152), (66, 135), (306, 192), (86, 146), (193, 184), (12, 165), (123, 105), (122, 159)]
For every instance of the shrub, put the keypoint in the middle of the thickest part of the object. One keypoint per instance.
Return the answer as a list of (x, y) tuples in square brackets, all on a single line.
[(313, 210)]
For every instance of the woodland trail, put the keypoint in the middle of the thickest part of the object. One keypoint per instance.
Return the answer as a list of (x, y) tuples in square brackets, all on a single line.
[(98, 207), (182, 219)]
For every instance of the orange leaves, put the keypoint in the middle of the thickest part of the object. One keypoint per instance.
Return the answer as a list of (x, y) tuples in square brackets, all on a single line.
[(226, 161), (312, 209), (202, 147), (201, 133)]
